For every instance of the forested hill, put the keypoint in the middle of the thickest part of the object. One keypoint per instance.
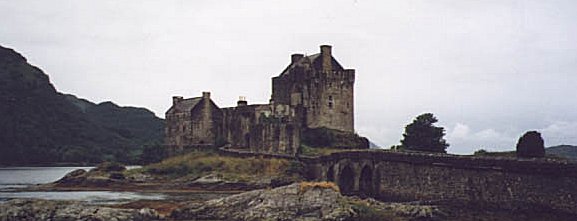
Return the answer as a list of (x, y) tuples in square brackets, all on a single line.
[(39, 125), (567, 151)]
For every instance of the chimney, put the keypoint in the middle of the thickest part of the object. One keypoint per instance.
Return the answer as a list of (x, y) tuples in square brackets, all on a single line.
[(296, 57), (206, 95), (327, 57), (176, 99), (241, 101)]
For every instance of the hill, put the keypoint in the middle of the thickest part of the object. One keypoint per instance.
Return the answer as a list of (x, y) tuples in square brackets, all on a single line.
[(566, 151), (39, 125)]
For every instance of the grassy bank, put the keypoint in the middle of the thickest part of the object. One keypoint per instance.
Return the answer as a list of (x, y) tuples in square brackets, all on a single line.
[(198, 164)]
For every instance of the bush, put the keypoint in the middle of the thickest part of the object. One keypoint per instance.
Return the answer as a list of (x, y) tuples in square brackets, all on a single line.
[(325, 137), (110, 167), (531, 144)]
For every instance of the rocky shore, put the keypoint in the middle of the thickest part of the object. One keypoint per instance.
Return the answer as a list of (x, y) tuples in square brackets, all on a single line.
[(112, 176), (33, 210), (298, 201)]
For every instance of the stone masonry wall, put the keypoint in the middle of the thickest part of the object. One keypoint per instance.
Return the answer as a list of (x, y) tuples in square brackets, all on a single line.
[(507, 183), (283, 138)]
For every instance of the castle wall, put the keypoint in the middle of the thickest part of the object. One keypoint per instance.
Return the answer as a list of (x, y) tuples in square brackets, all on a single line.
[(282, 138), (237, 123), (261, 128), (205, 123), (332, 104), (178, 127)]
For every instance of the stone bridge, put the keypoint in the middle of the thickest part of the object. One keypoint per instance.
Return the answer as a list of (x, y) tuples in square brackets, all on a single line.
[(389, 175), (506, 182)]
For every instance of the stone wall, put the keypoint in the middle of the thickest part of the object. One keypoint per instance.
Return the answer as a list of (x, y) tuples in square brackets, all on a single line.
[(506, 183), (262, 128), (275, 137)]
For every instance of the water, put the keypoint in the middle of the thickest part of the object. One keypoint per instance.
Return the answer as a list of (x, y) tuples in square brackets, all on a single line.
[(14, 178)]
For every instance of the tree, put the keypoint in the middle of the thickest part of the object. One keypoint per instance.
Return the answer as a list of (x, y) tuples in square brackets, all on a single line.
[(531, 145), (422, 135)]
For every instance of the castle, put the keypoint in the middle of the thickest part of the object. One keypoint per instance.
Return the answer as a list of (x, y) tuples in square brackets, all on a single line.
[(311, 92)]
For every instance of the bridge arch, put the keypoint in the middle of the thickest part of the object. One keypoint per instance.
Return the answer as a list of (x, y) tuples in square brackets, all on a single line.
[(377, 180), (346, 180), (366, 181)]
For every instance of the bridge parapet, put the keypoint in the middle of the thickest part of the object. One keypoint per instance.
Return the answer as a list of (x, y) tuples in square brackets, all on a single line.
[(546, 167)]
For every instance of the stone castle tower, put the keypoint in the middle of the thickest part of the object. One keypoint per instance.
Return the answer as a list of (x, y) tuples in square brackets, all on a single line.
[(321, 87)]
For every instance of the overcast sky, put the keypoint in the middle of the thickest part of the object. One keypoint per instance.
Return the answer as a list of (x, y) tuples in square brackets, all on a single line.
[(488, 69)]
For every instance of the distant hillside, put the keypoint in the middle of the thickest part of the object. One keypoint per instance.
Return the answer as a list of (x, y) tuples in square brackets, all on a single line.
[(40, 125), (566, 151)]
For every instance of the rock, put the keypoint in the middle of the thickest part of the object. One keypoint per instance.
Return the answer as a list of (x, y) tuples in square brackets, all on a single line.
[(138, 178), (413, 210), (94, 178), (25, 209), (116, 176), (73, 178), (292, 202), (110, 167), (210, 179)]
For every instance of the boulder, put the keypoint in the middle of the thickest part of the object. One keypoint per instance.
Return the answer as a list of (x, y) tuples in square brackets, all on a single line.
[(75, 177), (292, 202)]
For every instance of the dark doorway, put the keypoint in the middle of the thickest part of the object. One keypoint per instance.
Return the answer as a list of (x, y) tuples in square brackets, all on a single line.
[(331, 174), (347, 180), (366, 182)]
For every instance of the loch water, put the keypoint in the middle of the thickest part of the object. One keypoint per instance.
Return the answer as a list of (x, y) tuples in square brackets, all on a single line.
[(14, 179)]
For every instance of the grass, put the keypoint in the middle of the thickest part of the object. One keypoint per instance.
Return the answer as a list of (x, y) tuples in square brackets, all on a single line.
[(197, 164), (304, 186)]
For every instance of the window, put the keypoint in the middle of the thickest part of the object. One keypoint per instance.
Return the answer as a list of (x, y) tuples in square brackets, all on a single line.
[(331, 102)]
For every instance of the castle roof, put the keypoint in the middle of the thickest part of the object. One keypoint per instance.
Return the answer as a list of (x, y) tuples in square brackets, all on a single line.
[(185, 105), (316, 62)]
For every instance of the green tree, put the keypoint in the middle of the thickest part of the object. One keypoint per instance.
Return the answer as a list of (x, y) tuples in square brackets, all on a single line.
[(422, 135), (531, 144)]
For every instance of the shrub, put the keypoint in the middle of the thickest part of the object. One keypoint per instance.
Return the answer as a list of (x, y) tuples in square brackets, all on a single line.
[(110, 167), (531, 144)]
